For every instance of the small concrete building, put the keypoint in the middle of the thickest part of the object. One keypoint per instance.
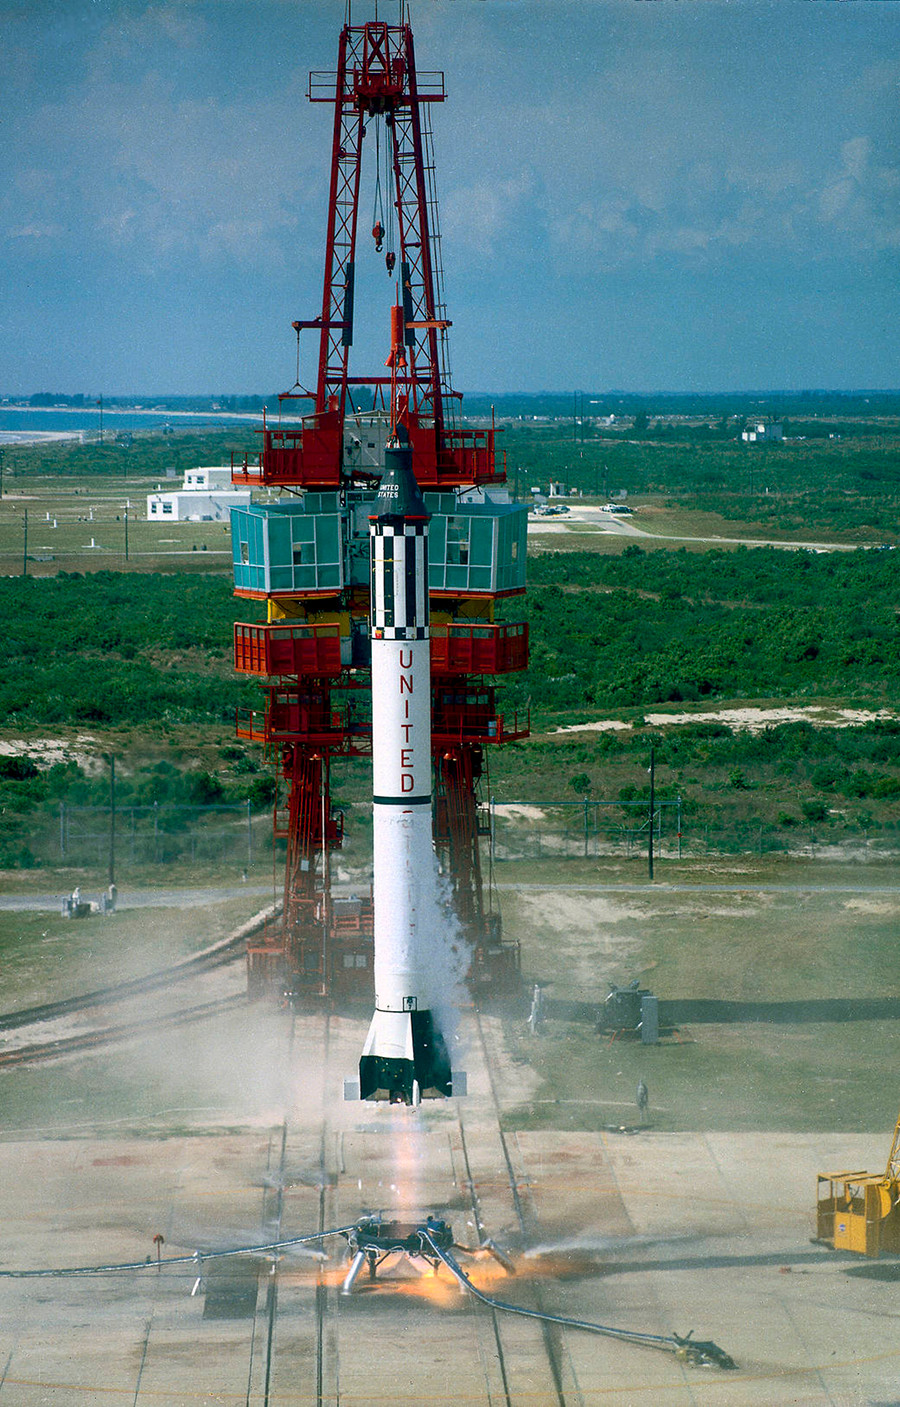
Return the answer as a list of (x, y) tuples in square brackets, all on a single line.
[(758, 430), (205, 497)]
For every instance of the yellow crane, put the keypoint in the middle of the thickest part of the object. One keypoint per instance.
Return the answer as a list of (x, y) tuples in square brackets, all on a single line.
[(860, 1211)]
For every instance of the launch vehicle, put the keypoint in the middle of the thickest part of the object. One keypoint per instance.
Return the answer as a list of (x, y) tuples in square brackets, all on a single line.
[(405, 1056)]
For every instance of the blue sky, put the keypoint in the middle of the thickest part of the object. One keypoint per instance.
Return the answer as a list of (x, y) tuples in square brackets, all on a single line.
[(637, 194)]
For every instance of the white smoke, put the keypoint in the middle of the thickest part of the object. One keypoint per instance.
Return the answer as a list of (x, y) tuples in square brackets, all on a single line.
[(446, 957)]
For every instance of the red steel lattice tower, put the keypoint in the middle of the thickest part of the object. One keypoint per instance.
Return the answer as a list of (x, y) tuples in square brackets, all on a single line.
[(313, 648)]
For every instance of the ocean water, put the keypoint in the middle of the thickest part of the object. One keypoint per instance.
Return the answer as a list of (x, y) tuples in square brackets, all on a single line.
[(31, 426)]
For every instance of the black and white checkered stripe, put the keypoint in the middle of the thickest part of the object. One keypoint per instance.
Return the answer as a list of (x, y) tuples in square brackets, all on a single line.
[(399, 563)]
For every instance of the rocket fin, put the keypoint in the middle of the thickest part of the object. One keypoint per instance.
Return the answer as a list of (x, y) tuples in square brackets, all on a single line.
[(404, 1059)]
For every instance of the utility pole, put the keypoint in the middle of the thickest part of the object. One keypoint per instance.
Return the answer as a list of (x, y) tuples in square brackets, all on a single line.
[(126, 532), (112, 818), (652, 812), (25, 547), (1, 471), (100, 404)]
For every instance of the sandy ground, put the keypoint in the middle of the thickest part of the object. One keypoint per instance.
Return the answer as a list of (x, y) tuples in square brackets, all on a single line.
[(46, 752), (751, 720)]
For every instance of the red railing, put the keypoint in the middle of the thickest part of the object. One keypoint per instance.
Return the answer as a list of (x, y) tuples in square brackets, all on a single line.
[(250, 723), (292, 718), (283, 649), (309, 454), (334, 826), (468, 725), (479, 649), (470, 454), (247, 474)]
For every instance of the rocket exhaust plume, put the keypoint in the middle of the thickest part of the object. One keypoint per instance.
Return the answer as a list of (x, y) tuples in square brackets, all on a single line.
[(405, 1056)]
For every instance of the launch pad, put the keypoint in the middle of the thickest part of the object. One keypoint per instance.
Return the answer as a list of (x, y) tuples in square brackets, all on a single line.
[(659, 1231), (373, 1240)]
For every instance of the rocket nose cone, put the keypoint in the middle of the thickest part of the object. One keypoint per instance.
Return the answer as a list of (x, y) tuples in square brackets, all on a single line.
[(399, 495)]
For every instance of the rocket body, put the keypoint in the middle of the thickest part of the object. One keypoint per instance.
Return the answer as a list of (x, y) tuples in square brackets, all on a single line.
[(404, 1057)]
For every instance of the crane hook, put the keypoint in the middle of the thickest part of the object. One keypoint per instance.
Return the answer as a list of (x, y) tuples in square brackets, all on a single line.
[(390, 260), (378, 235)]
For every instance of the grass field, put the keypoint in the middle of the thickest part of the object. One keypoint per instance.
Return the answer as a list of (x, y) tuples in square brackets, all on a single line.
[(837, 491), (80, 525), (45, 957), (78, 497), (782, 980), (659, 522)]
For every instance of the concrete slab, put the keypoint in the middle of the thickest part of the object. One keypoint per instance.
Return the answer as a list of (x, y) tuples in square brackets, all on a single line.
[(655, 1232)]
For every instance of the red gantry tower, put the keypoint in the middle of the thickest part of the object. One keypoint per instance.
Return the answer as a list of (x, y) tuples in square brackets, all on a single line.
[(306, 552)]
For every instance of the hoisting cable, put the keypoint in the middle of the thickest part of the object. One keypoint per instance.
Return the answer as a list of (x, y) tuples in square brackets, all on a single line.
[(378, 209), (706, 1354), (390, 258)]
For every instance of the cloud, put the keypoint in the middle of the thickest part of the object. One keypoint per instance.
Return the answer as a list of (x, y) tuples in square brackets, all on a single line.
[(133, 166), (859, 197), (142, 146), (676, 143), (35, 231), (485, 216), (590, 153)]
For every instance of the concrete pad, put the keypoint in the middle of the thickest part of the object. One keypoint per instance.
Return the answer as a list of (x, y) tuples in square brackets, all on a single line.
[(654, 1232)]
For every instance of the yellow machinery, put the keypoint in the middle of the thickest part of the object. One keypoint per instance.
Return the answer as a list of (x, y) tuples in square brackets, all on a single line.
[(860, 1211)]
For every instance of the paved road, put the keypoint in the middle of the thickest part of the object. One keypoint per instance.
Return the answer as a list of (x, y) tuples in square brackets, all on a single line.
[(198, 898), (751, 885), (625, 527), (137, 898)]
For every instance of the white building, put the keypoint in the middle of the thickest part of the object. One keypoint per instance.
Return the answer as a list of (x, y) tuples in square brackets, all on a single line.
[(206, 497), (762, 430)]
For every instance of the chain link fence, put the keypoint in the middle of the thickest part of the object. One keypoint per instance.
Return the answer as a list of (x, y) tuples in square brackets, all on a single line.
[(160, 834), (524, 830), (233, 834)]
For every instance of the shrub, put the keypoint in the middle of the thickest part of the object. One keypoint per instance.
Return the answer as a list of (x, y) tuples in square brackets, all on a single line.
[(886, 786), (206, 790), (17, 769), (261, 793)]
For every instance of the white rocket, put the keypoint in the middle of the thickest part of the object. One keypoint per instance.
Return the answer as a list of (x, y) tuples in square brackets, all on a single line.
[(404, 1058)]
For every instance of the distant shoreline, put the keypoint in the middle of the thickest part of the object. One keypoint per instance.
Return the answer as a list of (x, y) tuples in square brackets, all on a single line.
[(94, 411), (83, 423), (38, 437)]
